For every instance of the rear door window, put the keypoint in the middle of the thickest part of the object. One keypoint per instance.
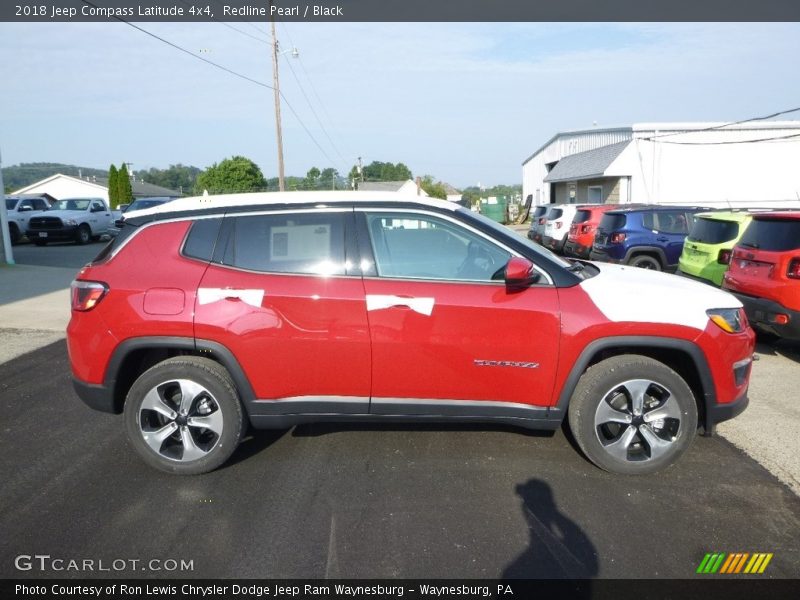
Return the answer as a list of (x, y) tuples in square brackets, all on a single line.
[(667, 221), (773, 235), (302, 243), (713, 231)]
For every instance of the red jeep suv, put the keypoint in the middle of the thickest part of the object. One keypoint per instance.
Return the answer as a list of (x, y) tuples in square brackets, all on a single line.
[(206, 314), (764, 273)]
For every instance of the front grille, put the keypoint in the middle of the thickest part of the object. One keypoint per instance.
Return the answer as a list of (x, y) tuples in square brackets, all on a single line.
[(45, 223)]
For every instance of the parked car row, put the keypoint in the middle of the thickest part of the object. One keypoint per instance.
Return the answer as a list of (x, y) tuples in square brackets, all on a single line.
[(755, 254), (72, 219)]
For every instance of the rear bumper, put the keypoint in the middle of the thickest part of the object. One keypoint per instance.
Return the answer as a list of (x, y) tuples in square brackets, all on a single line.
[(603, 256), (695, 278), (95, 395), (762, 313), (553, 243), (575, 249)]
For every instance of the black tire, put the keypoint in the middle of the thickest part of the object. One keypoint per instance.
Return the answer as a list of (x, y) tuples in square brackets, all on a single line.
[(646, 261), (39, 242), (83, 235), (96, 238), (606, 391), (207, 386), (14, 233)]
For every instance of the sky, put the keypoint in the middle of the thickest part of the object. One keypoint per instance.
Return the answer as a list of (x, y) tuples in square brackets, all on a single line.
[(464, 102)]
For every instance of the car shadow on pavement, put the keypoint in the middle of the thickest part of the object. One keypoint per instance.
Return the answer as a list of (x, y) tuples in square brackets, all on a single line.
[(558, 548), (787, 348), (254, 442)]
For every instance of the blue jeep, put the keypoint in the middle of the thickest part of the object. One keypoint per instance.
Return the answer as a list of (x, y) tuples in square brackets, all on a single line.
[(650, 237)]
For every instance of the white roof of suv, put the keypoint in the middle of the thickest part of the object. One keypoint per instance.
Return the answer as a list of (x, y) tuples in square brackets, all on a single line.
[(260, 198)]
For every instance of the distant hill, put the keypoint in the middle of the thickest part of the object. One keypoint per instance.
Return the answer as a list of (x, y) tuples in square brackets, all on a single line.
[(18, 176)]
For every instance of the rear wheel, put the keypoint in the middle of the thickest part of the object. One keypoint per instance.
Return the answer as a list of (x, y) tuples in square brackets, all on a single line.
[(632, 415), (83, 235), (184, 416), (645, 261)]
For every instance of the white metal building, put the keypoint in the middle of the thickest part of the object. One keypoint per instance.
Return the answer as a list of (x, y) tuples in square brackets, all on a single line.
[(710, 164)]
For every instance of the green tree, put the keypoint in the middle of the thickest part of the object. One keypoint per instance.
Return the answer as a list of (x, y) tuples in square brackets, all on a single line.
[(124, 185), (178, 177), (312, 178), (113, 187), (328, 178), (232, 175), (383, 171), (434, 189)]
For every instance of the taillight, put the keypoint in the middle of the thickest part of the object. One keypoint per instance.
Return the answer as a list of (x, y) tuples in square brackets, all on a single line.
[(542, 220), (558, 224), (724, 257), (586, 228), (87, 294), (617, 238), (794, 268)]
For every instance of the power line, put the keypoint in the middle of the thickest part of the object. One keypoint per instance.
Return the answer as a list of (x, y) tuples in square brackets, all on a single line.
[(223, 68), (723, 125), (185, 51), (753, 141)]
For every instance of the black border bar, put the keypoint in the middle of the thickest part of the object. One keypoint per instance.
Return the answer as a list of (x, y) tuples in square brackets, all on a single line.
[(400, 10)]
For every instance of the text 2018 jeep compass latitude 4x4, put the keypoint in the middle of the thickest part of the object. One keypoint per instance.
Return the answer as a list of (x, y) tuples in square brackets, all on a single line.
[(207, 314)]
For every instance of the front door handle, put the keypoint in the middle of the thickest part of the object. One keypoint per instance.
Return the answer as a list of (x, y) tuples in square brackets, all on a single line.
[(423, 306)]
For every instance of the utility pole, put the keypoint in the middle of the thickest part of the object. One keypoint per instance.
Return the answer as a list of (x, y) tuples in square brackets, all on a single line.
[(276, 86), (7, 256)]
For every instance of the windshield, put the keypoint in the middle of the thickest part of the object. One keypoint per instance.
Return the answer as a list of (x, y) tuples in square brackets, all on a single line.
[(712, 231), (142, 204), (773, 235), (542, 251), (11, 203), (71, 204)]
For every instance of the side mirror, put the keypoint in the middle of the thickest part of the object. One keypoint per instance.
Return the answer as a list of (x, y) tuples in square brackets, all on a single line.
[(519, 273), (25, 209)]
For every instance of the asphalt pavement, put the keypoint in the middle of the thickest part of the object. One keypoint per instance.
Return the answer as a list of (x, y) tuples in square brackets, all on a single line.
[(380, 501), (356, 501)]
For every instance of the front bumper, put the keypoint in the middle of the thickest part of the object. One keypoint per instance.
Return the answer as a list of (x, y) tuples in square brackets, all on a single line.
[(65, 233), (96, 395), (717, 413), (762, 312)]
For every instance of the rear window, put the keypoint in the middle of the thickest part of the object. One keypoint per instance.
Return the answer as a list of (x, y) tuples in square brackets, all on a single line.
[(539, 211), (610, 222), (712, 231), (582, 216), (772, 235), (554, 213)]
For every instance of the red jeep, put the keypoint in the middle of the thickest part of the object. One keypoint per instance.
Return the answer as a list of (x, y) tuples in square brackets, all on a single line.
[(583, 229), (206, 314), (764, 273)]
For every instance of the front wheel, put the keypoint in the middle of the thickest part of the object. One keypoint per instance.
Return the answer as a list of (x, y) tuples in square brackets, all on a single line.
[(184, 416), (632, 415), (83, 235)]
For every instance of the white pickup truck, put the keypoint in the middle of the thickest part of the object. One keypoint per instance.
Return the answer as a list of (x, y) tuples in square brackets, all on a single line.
[(79, 219), (20, 209)]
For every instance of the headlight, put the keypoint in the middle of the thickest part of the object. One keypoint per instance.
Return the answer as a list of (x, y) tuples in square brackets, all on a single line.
[(731, 320), (70, 222)]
